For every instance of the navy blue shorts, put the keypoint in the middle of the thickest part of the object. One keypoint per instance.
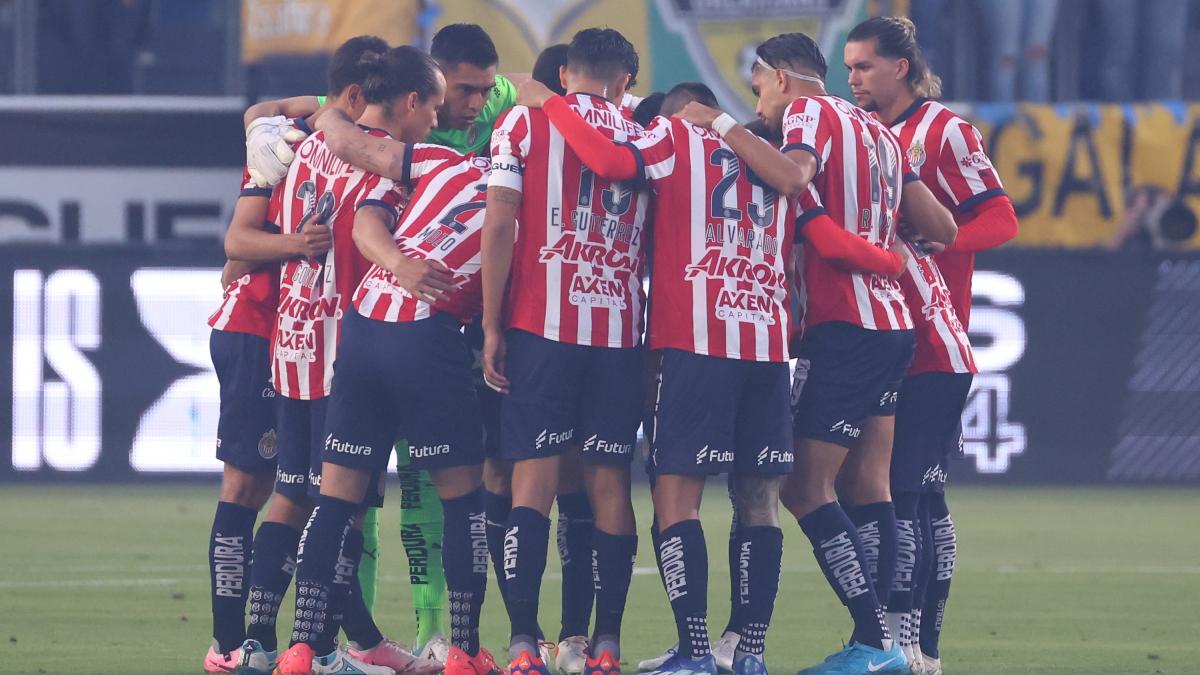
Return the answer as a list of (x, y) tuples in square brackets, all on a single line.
[(718, 415), (246, 436), (410, 380), (928, 430), (301, 437), (565, 395), (845, 374), (489, 399)]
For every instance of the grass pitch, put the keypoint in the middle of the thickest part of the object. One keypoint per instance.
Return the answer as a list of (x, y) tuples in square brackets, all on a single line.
[(113, 579)]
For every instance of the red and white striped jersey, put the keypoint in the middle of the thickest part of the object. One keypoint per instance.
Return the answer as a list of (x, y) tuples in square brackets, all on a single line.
[(942, 342), (722, 243), (858, 183), (443, 222), (248, 304), (314, 293), (578, 259), (947, 153)]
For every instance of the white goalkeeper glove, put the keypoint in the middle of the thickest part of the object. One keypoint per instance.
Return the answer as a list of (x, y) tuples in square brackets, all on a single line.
[(269, 149)]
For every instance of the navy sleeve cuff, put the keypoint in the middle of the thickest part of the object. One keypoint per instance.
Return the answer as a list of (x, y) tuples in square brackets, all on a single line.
[(910, 177), (979, 199), (803, 146), (804, 218), (640, 178), (406, 172), (270, 227), (255, 192)]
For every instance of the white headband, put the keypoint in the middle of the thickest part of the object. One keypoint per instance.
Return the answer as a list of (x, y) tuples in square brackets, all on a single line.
[(790, 73)]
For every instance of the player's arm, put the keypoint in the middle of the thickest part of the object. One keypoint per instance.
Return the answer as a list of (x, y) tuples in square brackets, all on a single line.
[(378, 155), (247, 241), (992, 223), (787, 172), (427, 280), (235, 269), (595, 150), (849, 252), (498, 235), (926, 214), (297, 106)]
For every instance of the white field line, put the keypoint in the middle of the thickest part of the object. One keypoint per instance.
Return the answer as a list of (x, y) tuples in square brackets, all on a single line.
[(77, 582)]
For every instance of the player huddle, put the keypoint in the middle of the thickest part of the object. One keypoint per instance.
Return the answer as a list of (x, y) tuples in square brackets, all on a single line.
[(455, 267)]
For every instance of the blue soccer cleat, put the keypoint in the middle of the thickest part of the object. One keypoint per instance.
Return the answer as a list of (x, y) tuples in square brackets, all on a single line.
[(856, 659), (749, 664), (681, 665)]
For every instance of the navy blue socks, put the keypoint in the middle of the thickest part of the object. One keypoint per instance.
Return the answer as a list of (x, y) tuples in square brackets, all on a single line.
[(229, 552)]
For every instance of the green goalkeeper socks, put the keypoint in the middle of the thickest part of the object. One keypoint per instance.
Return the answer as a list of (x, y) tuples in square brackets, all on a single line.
[(368, 567), (421, 533)]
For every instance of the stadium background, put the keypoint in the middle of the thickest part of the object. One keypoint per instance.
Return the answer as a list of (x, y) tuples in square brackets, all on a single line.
[(118, 173)]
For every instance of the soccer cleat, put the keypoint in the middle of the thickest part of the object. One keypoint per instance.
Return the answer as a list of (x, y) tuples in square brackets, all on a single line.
[(216, 662), (436, 648), (916, 665), (528, 664), (545, 651), (654, 663), (297, 660), (680, 665), (932, 666), (724, 649), (749, 664), (255, 660), (458, 662), (857, 658), (389, 653), (605, 664), (571, 656), (340, 662)]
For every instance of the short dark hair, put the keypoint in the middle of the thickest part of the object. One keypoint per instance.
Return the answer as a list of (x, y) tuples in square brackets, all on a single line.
[(795, 51), (545, 69), (686, 92), (346, 65), (397, 72), (464, 43), (649, 108), (603, 53)]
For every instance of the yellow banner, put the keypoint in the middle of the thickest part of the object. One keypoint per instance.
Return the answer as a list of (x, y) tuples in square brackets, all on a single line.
[(1077, 173), (271, 27)]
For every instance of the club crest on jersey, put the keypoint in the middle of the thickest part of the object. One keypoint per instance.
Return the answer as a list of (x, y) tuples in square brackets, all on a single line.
[(711, 28), (916, 155), (267, 447)]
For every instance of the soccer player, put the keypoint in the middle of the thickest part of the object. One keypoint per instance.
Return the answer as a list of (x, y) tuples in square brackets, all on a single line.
[(475, 98), (246, 437), (242, 328), (568, 338), (405, 369), (889, 77), (699, 250), (402, 93), (314, 294), (858, 337)]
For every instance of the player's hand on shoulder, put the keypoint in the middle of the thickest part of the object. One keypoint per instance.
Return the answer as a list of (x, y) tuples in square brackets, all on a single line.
[(533, 94), (494, 352), (698, 114), (427, 280), (269, 149), (316, 239)]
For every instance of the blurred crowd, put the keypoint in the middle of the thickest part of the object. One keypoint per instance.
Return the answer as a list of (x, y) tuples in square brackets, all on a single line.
[(985, 50)]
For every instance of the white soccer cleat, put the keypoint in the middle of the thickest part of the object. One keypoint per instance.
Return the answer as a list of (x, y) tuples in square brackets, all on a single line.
[(437, 648), (656, 662), (545, 652), (340, 662), (389, 653), (571, 655), (932, 666), (724, 649)]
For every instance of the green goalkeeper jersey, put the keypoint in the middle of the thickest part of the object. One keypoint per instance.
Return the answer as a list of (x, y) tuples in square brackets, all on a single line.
[(477, 137)]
